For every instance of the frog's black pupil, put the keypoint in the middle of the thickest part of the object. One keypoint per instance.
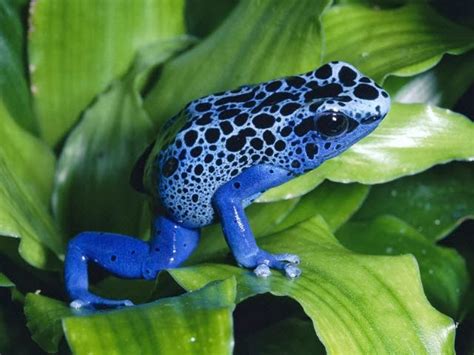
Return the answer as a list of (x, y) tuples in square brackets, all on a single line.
[(332, 124)]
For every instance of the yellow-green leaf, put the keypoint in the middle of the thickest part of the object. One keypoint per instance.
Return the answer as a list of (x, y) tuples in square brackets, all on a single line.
[(402, 41), (359, 304), (76, 48), (26, 176)]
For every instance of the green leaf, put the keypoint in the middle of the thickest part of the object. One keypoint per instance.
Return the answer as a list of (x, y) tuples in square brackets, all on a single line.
[(77, 48), (190, 324), (92, 190), (44, 316), (358, 303), (443, 85), (412, 138), (251, 46), (434, 202), (5, 281), (14, 91), (443, 271), (26, 176), (290, 336), (334, 202), (194, 323), (403, 41)]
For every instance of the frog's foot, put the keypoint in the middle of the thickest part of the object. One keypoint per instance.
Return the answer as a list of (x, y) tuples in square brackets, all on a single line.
[(285, 262), (86, 299)]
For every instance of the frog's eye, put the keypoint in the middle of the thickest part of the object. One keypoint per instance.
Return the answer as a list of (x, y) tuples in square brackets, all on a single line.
[(332, 124)]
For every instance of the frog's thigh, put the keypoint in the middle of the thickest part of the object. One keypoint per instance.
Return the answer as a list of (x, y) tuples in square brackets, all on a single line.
[(118, 254), (228, 202)]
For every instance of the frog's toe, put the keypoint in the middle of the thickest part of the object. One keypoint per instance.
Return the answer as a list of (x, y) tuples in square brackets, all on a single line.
[(262, 270), (290, 258), (284, 262), (292, 271), (89, 300), (104, 303)]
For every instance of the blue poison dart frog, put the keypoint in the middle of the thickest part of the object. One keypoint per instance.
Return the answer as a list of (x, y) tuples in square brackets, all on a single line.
[(218, 155)]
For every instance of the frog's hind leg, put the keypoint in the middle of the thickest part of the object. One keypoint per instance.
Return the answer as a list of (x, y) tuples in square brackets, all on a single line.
[(229, 202), (126, 257)]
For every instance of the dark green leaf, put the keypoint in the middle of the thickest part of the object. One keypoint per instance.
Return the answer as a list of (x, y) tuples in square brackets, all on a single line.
[(291, 336), (26, 176), (204, 16), (443, 271), (434, 202), (14, 91), (44, 320)]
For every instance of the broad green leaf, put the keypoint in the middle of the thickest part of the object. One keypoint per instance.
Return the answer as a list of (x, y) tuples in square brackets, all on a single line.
[(5, 281), (412, 138), (263, 219), (434, 202), (27, 157), (76, 48), (334, 202), (26, 176), (258, 41), (290, 336), (14, 91), (443, 271), (92, 190), (358, 303), (403, 41), (443, 85), (44, 316), (194, 323)]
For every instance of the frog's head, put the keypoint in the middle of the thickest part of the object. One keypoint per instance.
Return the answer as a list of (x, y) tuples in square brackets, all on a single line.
[(353, 109)]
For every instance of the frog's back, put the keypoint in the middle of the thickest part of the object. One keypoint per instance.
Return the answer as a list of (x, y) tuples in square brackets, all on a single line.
[(216, 137)]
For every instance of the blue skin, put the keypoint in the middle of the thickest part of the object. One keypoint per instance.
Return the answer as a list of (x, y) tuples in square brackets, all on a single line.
[(218, 155)]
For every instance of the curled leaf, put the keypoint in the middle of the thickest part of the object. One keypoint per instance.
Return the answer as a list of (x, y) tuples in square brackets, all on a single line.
[(359, 304)]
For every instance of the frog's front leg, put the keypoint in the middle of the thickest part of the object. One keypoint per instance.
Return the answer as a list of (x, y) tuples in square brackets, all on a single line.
[(126, 257), (228, 201)]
